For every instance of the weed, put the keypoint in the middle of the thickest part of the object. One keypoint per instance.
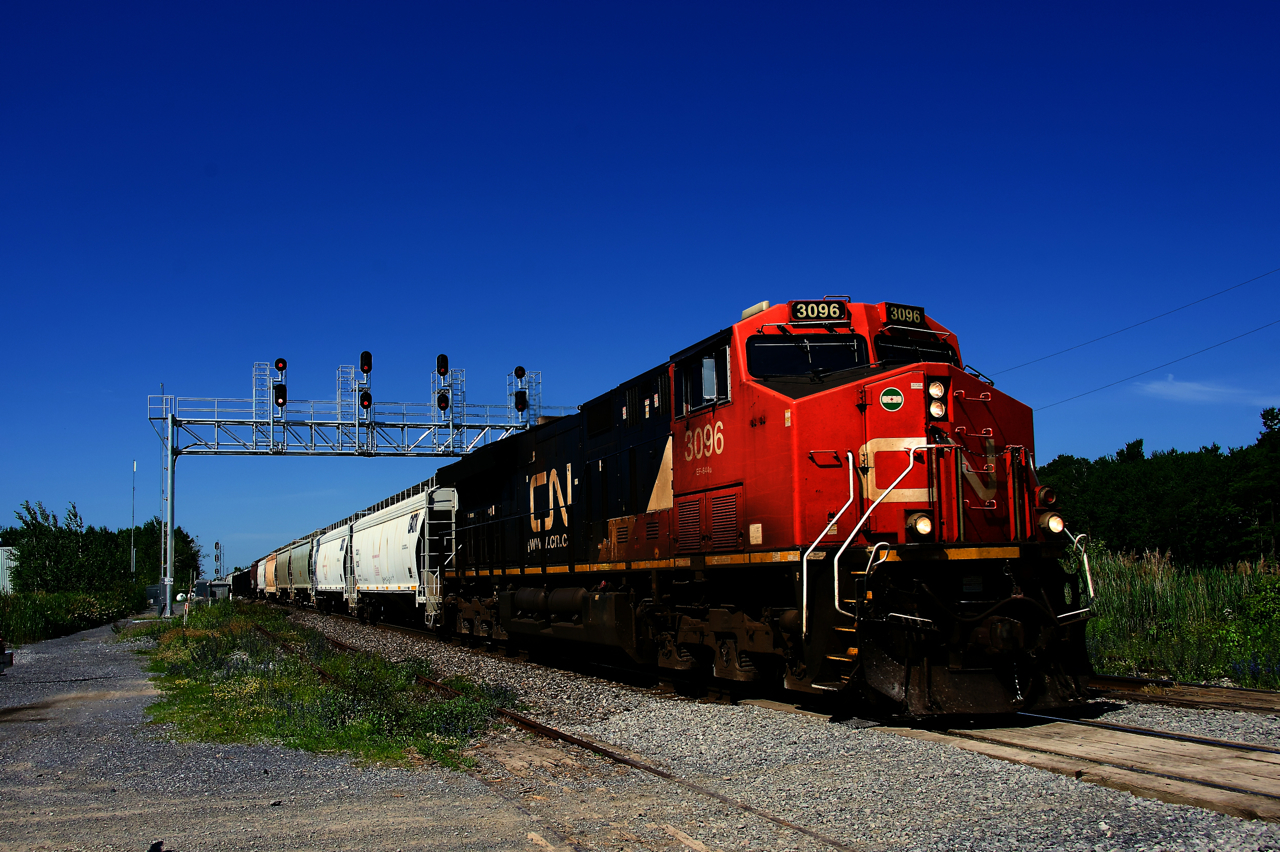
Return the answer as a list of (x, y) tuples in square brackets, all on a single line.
[(1156, 619), (226, 681)]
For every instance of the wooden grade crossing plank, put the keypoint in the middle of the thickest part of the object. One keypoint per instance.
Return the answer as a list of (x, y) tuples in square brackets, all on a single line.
[(1244, 805), (1256, 772)]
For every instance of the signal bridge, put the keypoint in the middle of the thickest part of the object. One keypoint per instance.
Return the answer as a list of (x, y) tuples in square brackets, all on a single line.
[(351, 424)]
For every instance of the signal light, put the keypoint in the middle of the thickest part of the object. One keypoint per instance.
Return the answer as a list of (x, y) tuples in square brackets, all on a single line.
[(366, 400), (518, 372), (366, 363), (522, 400), (442, 401), (282, 395), (442, 364), (281, 365)]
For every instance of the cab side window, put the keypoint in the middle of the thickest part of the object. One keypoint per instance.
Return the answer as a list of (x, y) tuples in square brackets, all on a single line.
[(702, 380)]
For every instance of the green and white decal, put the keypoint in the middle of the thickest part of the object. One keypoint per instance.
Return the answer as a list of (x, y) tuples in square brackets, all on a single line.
[(891, 399)]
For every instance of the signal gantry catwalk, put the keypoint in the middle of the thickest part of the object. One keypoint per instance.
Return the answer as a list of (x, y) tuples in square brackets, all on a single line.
[(351, 424)]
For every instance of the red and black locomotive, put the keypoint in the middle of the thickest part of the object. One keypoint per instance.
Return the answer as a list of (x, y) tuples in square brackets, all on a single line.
[(819, 497)]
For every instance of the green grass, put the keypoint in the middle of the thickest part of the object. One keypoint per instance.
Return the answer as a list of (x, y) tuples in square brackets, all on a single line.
[(224, 681), (32, 617), (1156, 619)]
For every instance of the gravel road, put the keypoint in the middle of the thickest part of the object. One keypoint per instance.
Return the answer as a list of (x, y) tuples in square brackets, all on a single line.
[(867, 788)]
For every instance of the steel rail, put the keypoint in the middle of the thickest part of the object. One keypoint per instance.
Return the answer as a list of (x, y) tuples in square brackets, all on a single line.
[(1047, 748), (1152, 732), (1155, 681), (1194, 695), (555, 734)]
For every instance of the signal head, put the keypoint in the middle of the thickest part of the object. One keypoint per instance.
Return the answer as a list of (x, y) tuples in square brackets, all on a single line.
[(366, 362), (281, 395), (521, 400), (442, 364), (366, 400), (442, 401), (518, 372), (281, 365)]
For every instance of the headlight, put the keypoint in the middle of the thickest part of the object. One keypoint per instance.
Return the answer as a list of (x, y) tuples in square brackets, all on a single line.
[(1052, 522), (920, 524), (938, 409), (937, 390)]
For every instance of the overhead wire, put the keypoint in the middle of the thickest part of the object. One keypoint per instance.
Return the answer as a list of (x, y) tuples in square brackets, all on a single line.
[(1162, 366), (1136, 324)]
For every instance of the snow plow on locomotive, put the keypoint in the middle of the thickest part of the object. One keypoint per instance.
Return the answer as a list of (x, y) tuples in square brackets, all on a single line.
[(820, 497)]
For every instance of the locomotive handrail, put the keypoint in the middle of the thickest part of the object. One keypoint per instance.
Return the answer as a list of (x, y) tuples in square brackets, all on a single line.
[(804, 560), (1080, 541), (918, 328), (969, 368), (911, 461)]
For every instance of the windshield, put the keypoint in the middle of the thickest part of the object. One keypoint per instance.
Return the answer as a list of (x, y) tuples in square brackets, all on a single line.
[(774, 355), (911, 350)]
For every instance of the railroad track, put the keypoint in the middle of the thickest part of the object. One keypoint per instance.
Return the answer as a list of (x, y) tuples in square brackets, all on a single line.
[(1177, 694)]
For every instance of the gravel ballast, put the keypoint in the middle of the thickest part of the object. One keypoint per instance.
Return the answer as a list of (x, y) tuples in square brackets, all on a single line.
[(864, 786)]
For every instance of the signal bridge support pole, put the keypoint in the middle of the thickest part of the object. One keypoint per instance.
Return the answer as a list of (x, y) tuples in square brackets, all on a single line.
[(169, 562)]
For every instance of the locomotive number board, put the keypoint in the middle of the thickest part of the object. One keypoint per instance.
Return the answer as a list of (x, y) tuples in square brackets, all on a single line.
[(822, 311), (903, 314)]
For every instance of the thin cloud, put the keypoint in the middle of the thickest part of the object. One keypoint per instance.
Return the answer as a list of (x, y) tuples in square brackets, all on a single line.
[(1204, 392)]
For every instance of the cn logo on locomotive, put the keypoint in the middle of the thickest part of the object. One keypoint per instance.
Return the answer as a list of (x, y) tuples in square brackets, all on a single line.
[(555, 497)]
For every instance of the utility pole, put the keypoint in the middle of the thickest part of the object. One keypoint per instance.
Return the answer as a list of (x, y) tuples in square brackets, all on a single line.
[(133, 525)]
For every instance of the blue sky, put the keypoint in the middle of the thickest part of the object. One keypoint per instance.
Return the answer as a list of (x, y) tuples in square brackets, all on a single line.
[(585, 188)]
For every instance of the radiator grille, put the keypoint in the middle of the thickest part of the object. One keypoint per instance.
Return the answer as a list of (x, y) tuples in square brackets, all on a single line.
[(622, 534), (651, 529), (724, 521), (690, 519)]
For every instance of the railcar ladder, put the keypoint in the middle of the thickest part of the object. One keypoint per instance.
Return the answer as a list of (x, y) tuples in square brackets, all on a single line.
[(438, 548)]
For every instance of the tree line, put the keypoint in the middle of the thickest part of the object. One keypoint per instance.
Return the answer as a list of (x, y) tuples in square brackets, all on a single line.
[(1206, 507), (55, 554)]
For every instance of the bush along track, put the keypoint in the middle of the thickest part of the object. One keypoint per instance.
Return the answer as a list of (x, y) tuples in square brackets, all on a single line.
[(1154, 619), (243, 673)]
